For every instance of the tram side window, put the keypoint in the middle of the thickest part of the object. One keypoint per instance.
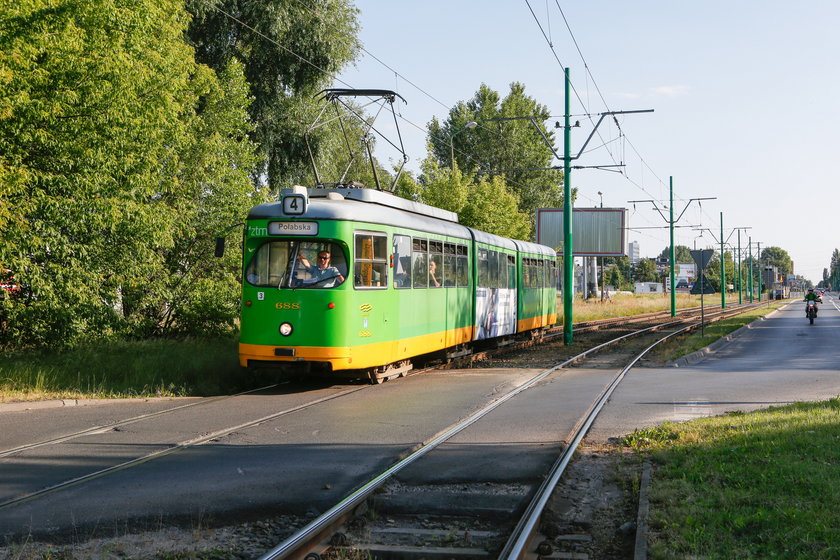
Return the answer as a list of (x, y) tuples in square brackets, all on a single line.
[(371, 260), (511, 272), (493, 269), (483, 268), (436, 271), (449, 265), (528, 273), (402, 261), (462, 266), (420, 262)]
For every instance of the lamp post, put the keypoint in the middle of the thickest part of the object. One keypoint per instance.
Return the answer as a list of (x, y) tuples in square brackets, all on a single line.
[(602, 198), (469, 125)]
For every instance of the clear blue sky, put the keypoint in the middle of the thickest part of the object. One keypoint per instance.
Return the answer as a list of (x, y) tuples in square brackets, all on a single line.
[(746, 97)]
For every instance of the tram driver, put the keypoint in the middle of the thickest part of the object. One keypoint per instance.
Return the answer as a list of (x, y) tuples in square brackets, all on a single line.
[(325, 274)]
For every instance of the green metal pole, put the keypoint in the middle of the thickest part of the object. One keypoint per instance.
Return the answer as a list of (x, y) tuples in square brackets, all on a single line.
[(750, 286), (568, 258), (673, 253), (740, 283), (760, 271), (722, 268)]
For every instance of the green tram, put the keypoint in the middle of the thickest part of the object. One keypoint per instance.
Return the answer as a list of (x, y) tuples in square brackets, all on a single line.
[(359, 281)]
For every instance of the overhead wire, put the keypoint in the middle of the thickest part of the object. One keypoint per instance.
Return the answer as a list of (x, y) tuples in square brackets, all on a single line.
[(625, 140), (597, 88), (398, 75)]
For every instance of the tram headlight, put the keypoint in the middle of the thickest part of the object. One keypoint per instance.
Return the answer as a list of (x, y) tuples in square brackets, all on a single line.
[(286, 329)]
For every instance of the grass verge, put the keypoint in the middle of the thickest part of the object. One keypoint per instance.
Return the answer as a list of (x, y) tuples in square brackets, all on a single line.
[(625, 305), (764, 484), (148, 368)]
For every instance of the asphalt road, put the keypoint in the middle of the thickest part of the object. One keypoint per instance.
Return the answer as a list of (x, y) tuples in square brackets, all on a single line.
[(306, 460), (776, 361)]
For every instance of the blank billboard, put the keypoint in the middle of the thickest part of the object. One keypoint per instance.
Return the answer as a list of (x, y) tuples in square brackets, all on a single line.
[(596, 232)]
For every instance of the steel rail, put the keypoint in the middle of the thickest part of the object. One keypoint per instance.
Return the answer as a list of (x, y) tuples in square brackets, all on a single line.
[(307, 537), (515, 546), (120, 423), (316, 529), (164, 452)]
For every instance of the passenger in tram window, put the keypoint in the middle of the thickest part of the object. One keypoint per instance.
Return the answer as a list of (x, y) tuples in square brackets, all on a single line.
[(433, 281)]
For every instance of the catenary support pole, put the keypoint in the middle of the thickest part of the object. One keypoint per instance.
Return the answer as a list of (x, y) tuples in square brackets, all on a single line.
[(760, 271), (568, 259), (722, 268), (752, 277), (740, 283), (673, 252)]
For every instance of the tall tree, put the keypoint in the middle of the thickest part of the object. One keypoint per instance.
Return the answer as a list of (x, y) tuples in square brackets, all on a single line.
[(778, 257), (834, 270), (290, 49), (681, 253), (645, 271), (115, 145), (516, 149), (484, 204), (712, 271)]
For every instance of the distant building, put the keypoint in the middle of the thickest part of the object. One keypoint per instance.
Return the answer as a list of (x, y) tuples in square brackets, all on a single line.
[(633, 252)]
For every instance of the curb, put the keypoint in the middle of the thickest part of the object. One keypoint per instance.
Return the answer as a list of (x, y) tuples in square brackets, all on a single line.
[(641, 545)]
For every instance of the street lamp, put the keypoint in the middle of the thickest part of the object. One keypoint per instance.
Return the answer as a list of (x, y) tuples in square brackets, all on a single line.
[(602, 198), (469, 125)]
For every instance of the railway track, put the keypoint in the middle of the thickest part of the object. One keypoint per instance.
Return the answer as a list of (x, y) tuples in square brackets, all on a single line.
[(22, 454), (451, 518)]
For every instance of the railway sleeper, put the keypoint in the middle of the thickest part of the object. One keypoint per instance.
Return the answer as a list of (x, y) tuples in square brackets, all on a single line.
[(421, 536)]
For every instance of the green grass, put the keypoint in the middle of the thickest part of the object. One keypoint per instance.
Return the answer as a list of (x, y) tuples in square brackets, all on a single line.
[(150, 368), (759, 485), (623, 305)]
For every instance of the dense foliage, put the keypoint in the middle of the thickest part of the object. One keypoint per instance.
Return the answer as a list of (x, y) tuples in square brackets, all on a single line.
[(509, 143), (120, 158), (290, 50), (831, 276), (482, 203)]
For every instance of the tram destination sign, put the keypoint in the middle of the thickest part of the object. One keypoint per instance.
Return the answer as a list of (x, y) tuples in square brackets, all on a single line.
[(293, 228)]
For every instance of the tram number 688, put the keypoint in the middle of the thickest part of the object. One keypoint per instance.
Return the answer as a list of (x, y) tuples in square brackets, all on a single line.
[(286, 305)]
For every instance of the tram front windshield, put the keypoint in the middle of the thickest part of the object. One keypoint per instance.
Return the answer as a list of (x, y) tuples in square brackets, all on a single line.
[(313, 264)]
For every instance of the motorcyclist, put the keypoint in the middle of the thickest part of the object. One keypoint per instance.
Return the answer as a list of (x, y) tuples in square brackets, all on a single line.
[(811, 296)]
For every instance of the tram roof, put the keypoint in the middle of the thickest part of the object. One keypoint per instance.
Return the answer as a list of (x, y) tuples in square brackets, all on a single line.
[(373, 206)]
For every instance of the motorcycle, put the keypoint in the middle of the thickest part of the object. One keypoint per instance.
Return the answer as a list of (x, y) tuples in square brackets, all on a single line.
[(811, 310)]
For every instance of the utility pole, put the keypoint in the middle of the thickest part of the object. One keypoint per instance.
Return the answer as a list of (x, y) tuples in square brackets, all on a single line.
[(671, 221), (740, 299), (751, 271), (740, 267), (672, 255), (568, 259), (722, 268), (723, 242), (760, 271), (568, 255)]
